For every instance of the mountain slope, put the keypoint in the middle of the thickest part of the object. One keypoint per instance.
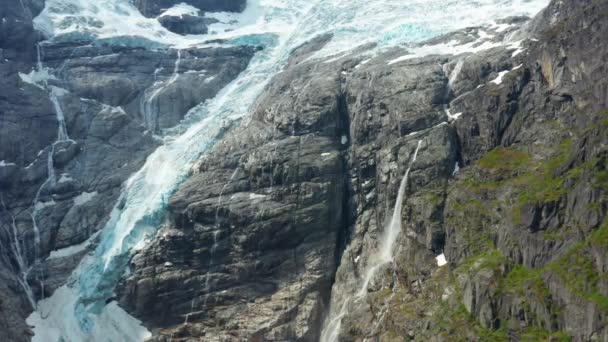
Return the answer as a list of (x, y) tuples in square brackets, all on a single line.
[(269, 182)]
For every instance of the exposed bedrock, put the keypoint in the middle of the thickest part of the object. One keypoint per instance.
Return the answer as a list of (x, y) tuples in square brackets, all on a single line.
[(187, 24), (75, 123), (278, 229), (152, 8), (508, 184)]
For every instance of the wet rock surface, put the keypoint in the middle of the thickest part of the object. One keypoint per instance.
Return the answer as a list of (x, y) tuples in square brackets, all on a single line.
[(509, 143), (274, 234), (250, 250), (60, 175)]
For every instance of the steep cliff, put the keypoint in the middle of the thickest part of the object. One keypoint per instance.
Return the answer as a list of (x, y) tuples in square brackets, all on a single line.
[(443, 189), (496, 150), (77, 119)]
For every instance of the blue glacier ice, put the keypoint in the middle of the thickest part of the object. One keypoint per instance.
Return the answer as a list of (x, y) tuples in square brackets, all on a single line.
[(78, 311)]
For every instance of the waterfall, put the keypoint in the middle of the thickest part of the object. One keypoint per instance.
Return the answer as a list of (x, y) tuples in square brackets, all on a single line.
[(452, 77), (149, 111), (79, 310), (38, 77), (23, 269), (211, 252), (378, 260)]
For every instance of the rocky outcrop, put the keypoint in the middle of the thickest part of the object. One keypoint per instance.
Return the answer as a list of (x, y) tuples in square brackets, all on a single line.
[(504, 157), (77, 118), (152, 8), (186, 24), (17, 35), (250, 250), (17, 109), (521, 224), (493, 158)]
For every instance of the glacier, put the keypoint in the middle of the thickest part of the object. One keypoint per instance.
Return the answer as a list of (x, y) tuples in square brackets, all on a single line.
[(79, 310)]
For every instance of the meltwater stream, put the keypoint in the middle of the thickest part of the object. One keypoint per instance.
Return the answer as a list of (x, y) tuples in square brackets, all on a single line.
[(78, 311)]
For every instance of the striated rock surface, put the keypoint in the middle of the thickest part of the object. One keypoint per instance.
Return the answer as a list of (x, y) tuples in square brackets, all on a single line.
[(250, 251), (328, 213), (522, 221), (76, 120), (503, 152)]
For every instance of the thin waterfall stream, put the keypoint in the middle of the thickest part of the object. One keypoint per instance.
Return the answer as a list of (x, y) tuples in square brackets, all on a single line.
[(83, 308), (382, 257)]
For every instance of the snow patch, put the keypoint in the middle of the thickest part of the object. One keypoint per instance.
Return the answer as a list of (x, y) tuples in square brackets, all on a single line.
[(501, 75), (453, 47), (180, 10), (362, 63), (68, 251), (517, 47), (454, 117), (113, 324), (72, 250), (253, 196), (65, 178), (38, 78), (456, 169), (41, 205), (84, 198), (441, 261), (500, 27)]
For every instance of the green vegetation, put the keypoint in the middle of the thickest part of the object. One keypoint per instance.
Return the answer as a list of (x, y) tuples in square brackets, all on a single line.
[(521, 280), (600, 180), (541, 185), (503, 160), (505, 180), (457, 324), (578, 274), (384, 294), (603, 118), (599, 238), (531, 334), (434, 197), (532, 181), (490, 258), (577, 270)]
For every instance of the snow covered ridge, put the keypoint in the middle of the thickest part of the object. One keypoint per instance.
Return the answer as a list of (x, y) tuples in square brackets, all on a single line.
[(477, 39)]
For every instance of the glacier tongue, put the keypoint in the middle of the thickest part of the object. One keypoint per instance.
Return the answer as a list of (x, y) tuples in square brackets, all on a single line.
[(78, 310)]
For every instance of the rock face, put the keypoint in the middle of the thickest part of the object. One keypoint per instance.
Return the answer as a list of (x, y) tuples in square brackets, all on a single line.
[(76, 120), (186, 24), (194, 22), (17, 109), (494, 159), (250, 252), (522, 223), (152, 8), (504, 154)]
